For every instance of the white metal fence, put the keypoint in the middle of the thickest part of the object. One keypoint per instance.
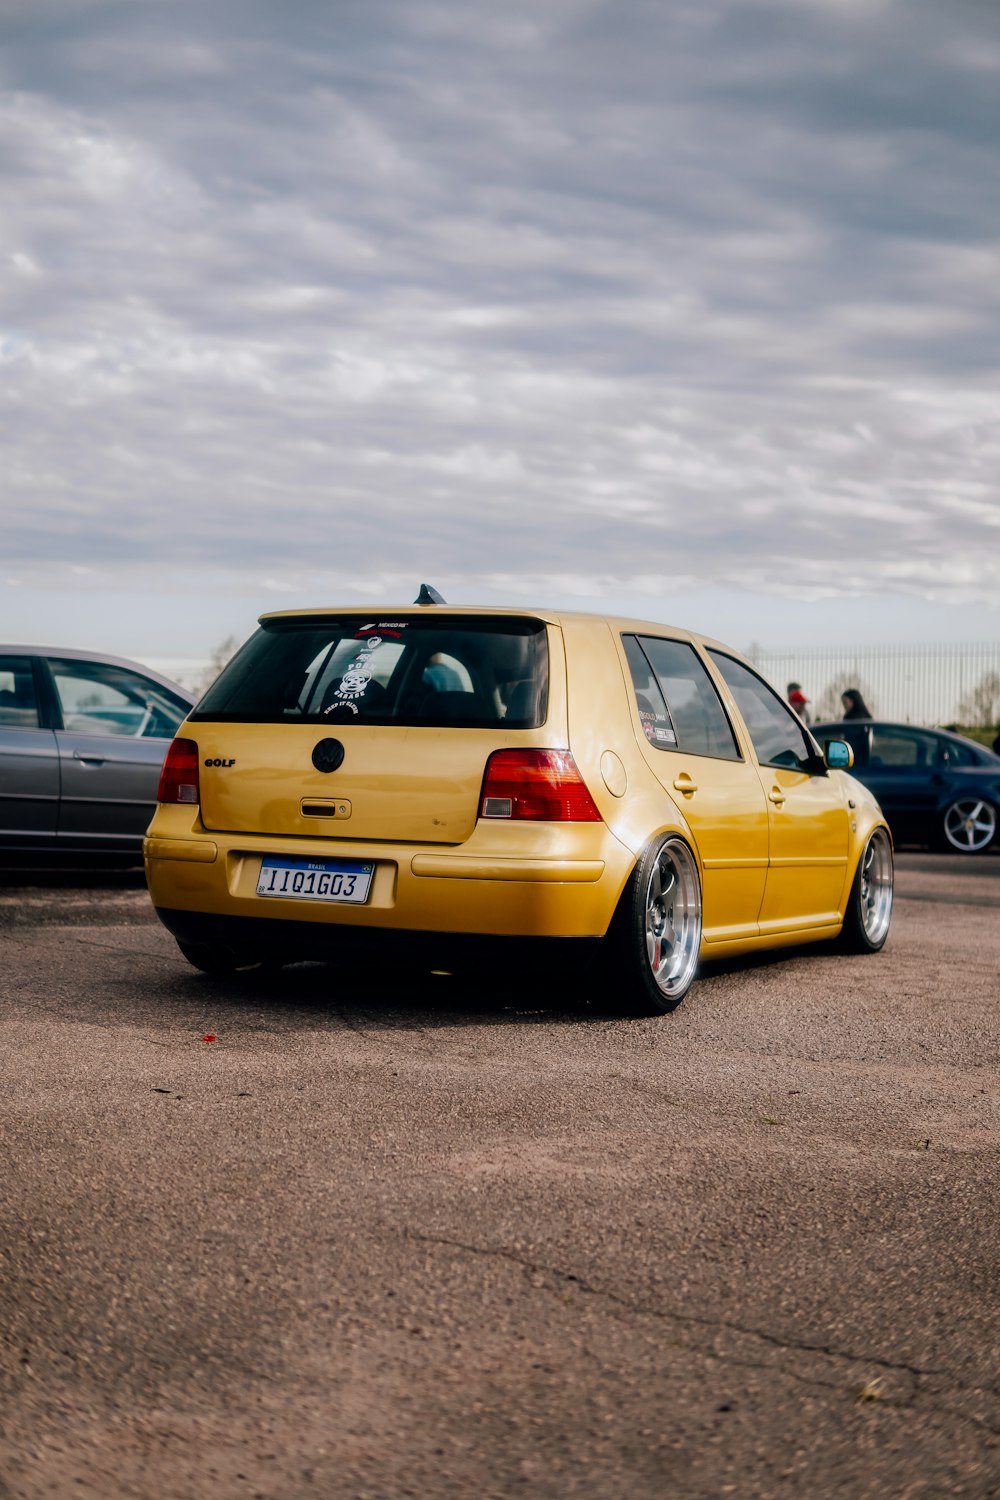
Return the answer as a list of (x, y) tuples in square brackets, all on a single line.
[(912, 684)]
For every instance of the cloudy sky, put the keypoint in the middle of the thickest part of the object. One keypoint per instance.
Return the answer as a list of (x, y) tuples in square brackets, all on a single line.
[(689, 307)]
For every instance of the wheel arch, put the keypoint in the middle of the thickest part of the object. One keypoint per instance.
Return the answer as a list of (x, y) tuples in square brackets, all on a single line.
[(652, 938), (868, 907), (678, 830), (865, 816)]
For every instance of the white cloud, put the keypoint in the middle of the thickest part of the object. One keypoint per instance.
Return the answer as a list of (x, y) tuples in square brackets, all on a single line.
[(582, 300)]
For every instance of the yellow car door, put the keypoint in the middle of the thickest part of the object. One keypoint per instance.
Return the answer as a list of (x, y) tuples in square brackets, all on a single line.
[(808, 817), (690, 746)]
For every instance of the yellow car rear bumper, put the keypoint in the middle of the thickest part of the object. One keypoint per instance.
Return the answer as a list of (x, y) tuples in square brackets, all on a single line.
[(413, 889)]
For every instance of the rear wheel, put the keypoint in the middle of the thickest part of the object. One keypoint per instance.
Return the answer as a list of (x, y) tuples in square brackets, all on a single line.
[(969, 825), (869, 906), (656, 938)]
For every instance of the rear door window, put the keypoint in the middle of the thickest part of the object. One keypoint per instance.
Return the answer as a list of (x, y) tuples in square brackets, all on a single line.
[(678, 704), (99, 698), (460, 671)]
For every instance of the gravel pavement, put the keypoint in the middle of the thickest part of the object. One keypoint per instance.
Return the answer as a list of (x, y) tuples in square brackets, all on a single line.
[(323, 1235)]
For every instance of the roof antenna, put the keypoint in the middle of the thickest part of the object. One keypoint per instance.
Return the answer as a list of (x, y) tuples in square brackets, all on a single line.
[(428, 595)]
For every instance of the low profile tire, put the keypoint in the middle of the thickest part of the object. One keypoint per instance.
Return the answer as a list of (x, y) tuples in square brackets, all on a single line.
[(656, 937), (969, 826), (869, 906), (211, 959)]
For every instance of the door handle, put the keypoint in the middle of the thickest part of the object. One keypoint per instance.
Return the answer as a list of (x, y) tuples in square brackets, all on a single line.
[(88, 760), (683, 783), (776, 795)]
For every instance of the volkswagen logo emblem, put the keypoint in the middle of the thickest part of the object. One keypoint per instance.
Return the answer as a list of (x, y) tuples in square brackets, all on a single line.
[(328, 755)]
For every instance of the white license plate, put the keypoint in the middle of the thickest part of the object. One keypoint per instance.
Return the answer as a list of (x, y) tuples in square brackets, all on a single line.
[(315, 879)]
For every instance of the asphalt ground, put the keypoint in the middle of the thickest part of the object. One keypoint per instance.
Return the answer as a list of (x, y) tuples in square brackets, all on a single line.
[(341, 1234)]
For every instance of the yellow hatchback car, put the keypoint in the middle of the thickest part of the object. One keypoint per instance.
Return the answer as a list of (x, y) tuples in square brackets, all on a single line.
[(444, 785)]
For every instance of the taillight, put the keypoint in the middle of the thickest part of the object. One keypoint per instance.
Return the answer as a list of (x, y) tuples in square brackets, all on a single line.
[(544, 785), (179, 777)]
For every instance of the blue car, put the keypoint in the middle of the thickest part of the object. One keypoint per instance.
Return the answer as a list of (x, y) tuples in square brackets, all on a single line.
[(934, 787)]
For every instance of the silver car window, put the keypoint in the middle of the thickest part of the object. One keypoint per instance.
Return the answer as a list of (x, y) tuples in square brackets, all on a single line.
[(18, 706), (100, 698)]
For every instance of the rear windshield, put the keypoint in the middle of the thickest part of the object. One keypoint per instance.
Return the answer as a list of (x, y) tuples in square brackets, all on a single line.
[(464, 671)]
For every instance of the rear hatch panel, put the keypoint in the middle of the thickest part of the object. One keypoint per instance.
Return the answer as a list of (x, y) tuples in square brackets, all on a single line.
[(358, 728), (418, 785)]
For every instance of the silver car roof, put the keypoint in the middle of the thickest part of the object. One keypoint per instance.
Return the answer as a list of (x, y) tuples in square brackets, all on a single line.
[(70, 653)]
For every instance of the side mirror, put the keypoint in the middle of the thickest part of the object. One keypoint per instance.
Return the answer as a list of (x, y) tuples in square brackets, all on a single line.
[(838, 755)]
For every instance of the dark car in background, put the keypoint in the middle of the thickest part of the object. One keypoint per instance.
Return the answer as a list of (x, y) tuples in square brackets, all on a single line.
[(934, 787), (82, 740)]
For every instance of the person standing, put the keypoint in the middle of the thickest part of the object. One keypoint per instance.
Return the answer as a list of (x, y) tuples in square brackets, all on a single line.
[(854, 704), (799, 701)]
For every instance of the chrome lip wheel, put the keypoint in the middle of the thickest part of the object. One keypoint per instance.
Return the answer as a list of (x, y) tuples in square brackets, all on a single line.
[(673, 918), (876, 886), (970, 825)]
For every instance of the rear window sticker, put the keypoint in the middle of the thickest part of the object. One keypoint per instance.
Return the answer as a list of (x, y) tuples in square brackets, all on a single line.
[(656, 726), (387, 627), (354, 683)]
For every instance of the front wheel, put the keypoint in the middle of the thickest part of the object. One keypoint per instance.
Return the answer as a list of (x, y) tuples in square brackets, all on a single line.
[(969, 825), (655, 940), (869, 906)]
